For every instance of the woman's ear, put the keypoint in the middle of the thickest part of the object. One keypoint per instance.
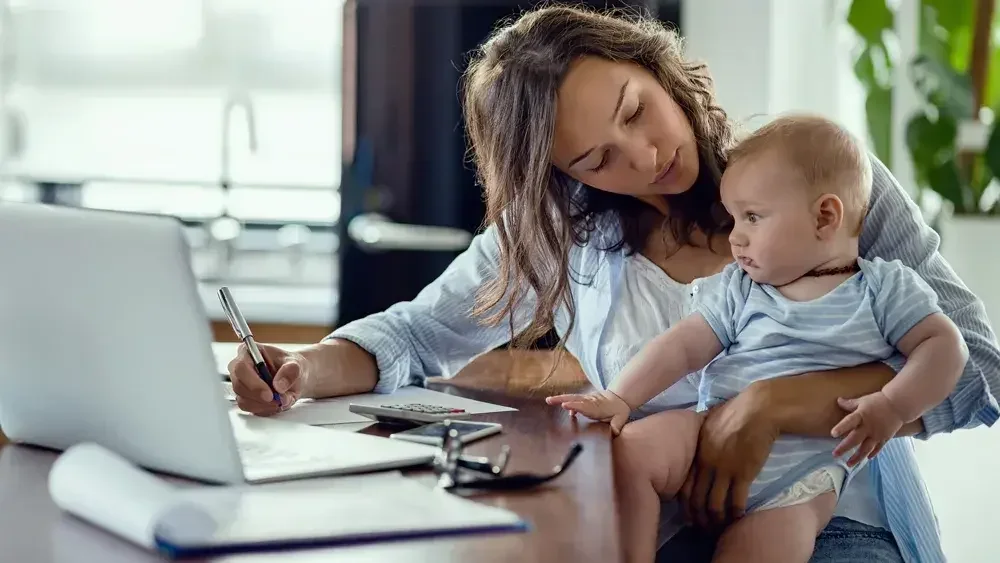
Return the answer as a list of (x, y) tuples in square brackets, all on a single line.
[(829, 213)]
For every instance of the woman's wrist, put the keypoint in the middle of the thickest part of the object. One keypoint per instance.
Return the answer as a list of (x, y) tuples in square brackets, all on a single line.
[(337, 367), (762, 402), (781, 402)]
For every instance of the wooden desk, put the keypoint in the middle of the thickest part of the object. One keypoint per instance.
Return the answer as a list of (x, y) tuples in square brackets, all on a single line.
[(572, 519)]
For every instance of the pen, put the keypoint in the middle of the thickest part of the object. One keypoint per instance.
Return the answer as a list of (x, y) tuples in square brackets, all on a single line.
[(243, 333)]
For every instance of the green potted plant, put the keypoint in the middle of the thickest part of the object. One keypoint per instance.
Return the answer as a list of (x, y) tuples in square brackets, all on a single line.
[(953, 140)]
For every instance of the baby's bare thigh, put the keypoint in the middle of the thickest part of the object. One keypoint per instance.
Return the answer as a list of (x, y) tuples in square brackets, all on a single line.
[(660, 448), (785, 534)]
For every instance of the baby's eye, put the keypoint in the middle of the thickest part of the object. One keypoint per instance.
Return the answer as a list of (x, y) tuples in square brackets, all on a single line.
[(752, 217)]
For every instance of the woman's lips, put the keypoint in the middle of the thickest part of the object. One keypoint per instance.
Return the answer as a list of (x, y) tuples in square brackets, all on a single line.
[(666, 175)]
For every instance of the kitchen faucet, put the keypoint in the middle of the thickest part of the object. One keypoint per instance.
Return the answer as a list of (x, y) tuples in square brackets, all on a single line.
[(238, 100), (225, 228)]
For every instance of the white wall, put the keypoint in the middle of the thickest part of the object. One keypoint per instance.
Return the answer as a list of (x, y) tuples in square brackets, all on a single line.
[(905, 100), (772, 56)]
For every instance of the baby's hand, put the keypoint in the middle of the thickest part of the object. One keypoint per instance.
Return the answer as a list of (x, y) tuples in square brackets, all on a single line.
[(604, 406), (871, 423)]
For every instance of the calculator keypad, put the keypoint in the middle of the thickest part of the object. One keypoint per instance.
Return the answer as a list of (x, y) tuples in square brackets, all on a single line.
[(421, 408)]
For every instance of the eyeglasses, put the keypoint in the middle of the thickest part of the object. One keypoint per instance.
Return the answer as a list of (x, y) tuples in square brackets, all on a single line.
[(456, 471)]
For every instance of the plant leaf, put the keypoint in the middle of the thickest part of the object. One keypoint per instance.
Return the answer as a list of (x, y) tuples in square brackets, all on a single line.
[(951, 21), (942, 87), (864, 68), (870, 18), (992, 96), (992, 152), (878, 111), (945, 179), (930, 142), (932, 39)]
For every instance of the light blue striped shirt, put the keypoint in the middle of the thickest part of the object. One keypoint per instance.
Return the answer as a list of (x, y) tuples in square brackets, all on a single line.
[(435, 335), (764, 335)]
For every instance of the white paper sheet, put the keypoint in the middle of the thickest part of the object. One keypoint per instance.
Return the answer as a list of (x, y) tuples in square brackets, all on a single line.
[(103, 488), (337, 410)]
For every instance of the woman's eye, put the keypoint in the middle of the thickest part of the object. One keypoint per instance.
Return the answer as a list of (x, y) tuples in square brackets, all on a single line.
[(600, 166), (635, 115)]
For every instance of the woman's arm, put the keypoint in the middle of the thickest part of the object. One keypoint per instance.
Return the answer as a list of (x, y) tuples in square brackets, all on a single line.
[(807, 404), (894, 229), (432, 335), (736, 436)]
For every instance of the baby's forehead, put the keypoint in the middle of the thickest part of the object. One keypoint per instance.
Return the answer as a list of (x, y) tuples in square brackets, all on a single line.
[(761, 177)]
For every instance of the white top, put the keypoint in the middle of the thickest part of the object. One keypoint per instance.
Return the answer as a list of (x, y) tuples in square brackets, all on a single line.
[(651, 303)]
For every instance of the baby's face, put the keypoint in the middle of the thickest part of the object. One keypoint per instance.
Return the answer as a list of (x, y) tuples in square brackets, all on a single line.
[(774, 233)]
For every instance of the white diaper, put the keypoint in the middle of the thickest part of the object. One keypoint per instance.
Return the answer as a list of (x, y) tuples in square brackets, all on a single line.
[(823, 480)]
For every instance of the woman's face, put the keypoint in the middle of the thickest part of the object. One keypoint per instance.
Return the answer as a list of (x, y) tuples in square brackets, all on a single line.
[(619, 131)]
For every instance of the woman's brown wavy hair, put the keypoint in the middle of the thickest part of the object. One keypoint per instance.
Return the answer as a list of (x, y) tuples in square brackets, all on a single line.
[(509, 97)]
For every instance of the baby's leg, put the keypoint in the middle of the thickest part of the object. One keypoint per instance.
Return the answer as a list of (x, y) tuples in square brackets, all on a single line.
[(785, 534), (651, 459)]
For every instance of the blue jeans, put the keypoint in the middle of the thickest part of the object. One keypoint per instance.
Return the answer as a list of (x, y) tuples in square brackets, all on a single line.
[(842, 541)]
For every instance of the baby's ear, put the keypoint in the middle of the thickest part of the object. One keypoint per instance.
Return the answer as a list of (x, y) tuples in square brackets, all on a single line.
[(829, 213)]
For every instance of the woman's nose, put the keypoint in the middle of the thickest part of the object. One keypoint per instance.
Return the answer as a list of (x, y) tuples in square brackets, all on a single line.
[(644, 158)]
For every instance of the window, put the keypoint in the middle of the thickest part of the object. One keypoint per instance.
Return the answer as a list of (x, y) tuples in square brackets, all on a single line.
[(152, 105)]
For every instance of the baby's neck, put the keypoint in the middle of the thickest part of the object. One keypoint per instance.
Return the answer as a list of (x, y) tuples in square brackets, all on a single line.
[(825, 275)]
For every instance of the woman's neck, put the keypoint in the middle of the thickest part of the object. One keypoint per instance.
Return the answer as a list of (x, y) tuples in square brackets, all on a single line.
[(702, 257), (657, 202)]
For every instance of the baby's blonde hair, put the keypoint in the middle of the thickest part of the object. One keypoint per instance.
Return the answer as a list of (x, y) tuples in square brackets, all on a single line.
[(829, 158)]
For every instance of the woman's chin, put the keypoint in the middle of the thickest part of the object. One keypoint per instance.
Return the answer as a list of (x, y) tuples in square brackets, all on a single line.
[(674, 186)]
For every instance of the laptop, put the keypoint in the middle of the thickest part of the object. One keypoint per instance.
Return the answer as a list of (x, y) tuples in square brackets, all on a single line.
[(104, 338)]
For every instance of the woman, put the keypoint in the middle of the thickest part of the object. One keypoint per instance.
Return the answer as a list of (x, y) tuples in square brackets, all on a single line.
[(600, 149)]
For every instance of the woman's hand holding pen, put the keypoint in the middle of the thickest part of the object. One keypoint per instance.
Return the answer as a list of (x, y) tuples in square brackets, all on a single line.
[(331, 368), (252, 394)]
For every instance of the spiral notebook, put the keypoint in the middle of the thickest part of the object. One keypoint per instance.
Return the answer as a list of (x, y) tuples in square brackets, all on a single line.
[(98, 486)]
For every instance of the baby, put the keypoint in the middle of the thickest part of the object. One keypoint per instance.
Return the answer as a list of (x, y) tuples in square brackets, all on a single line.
[(797, 299)]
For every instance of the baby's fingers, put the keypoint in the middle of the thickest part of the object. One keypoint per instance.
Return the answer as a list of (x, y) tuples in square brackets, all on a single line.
[(853, 440), (563, 399), (878, 448), (617, 423), (846, 424), (866, 448), (586, 408)]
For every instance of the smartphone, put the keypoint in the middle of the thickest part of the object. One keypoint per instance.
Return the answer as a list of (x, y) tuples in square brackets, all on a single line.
[(468, 431)]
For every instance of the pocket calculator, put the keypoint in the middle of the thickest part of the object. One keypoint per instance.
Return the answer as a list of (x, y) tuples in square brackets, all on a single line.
[(409, 413)]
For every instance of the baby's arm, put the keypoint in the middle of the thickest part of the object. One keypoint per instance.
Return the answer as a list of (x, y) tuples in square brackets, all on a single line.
[(936, 355), (686, 347)]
